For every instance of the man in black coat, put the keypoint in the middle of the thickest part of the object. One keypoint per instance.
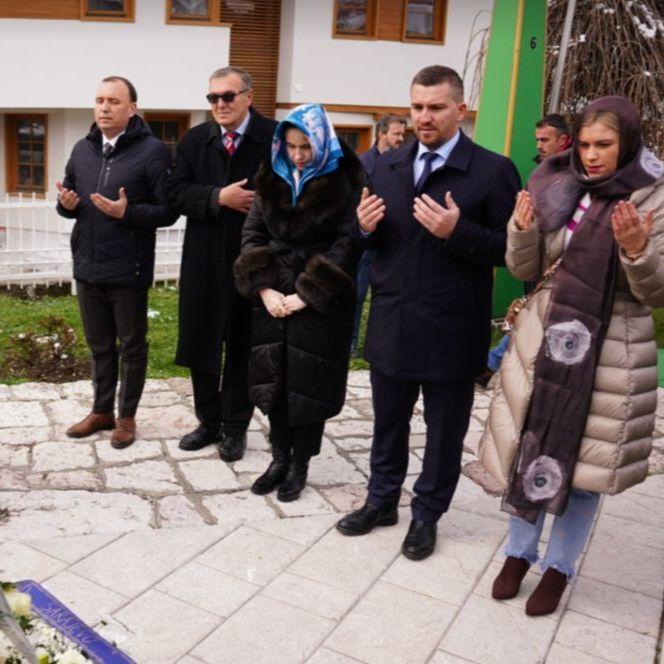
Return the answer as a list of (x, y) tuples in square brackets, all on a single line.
[(212, 185), (437, 221), (114, 188)]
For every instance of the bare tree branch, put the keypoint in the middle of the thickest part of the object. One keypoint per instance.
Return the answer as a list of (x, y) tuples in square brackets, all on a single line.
[(616, 48)]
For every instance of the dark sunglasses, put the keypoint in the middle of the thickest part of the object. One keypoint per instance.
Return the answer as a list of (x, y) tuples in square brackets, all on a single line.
[(226, 97)]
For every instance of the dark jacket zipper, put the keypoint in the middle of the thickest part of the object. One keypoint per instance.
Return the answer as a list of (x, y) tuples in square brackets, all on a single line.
[(138, 263), (102, 181), (107, 171), (94, 220), (101, 173)]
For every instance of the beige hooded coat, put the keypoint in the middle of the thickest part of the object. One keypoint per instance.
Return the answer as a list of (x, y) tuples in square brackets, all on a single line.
[(618, 434)]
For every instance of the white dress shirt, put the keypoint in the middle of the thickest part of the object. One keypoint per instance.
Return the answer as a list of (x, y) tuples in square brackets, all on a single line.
[(239, 132), (442, 155), (110, 141)]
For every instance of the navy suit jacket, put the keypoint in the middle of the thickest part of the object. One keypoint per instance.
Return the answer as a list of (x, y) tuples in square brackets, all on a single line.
[(431, 298), (369, 158)]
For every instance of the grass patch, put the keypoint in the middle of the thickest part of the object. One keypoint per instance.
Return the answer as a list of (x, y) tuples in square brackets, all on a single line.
[(24, 316), (658, 317), (18, 315), (357, 363)]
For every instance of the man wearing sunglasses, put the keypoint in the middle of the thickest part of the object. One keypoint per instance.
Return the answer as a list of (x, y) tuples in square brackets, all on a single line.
[(211, 185)]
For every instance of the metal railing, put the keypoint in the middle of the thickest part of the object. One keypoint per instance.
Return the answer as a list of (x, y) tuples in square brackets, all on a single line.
[(34, 243)]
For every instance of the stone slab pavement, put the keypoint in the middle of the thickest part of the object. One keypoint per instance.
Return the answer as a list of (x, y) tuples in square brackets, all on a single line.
[(170, 555)]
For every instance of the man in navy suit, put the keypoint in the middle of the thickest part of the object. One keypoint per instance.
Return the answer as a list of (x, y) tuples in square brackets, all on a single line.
[(437, 219)]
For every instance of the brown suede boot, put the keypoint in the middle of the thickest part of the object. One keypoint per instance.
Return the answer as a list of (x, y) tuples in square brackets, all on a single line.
[(506, 585), (91, 424), (124, 433), (545, 598)]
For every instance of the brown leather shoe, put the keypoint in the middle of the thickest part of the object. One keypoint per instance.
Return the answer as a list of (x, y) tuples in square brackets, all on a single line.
[(91, 424), (124, 433), (546, 597), (506, 585)]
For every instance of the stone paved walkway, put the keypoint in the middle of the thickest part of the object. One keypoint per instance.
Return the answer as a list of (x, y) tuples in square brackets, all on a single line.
[(170, 554)]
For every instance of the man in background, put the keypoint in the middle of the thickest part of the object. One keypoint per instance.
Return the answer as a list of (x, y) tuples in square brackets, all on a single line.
[(390, 134), (552, 135)]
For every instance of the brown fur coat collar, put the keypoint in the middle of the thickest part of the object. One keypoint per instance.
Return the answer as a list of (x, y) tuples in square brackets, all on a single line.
[(324, 200)]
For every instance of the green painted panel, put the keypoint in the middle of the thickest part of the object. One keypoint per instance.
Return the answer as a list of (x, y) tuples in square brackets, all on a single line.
[(505, 289), (530, 87), (528, 106), (493, 122)]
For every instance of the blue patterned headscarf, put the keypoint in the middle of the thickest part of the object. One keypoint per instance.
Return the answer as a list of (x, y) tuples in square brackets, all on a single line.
[(313, 122)]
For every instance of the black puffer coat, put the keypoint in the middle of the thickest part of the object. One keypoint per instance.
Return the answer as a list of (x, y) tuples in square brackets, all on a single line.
[(309, 249), (118, 252)]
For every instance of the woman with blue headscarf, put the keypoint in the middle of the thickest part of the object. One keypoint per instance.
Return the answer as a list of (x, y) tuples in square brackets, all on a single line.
[(298, 264)]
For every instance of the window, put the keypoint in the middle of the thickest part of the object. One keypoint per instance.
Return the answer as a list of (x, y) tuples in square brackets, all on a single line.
[(354, 18), (423, 21), (26, 153), (194, 12), (107, 10), (420, 21), (189, 11), (357, 137), (168, 127)]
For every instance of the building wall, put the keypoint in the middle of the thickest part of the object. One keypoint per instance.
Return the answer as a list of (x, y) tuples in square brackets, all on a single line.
[(336, 118), (57, 64), (66, 127), (314, 67), (58, 138), (3, 153)]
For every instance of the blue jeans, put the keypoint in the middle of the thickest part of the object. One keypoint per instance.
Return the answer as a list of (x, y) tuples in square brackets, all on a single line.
[(496, 354), (568, 536), (362, 289)]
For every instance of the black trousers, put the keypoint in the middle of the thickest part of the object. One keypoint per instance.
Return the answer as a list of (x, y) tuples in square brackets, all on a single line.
[(447, 408), (222, 399), (113, 314), (303, 440)]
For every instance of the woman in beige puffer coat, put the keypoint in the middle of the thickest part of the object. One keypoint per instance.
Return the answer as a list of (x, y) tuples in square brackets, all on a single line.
[(617, 436)]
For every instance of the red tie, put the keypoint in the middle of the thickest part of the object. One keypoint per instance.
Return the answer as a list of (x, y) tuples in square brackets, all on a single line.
[(228, 140)]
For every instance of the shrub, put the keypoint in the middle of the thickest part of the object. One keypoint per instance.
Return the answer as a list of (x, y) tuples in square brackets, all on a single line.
[(46, 354)]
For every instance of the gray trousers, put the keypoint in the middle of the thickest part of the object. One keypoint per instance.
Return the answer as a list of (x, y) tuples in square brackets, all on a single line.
[(115, 322)]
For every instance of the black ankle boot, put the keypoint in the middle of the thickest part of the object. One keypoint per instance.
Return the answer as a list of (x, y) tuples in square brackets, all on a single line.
[(296, 478), (275, 473)]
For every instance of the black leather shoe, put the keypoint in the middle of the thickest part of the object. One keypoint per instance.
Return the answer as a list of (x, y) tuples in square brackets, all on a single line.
[(296, 477), (364, 520), (232, 446), (275, 473), (199, 438), (420, 540)]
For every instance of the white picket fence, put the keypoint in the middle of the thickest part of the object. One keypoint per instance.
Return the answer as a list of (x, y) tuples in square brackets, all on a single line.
[(34, 244)]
